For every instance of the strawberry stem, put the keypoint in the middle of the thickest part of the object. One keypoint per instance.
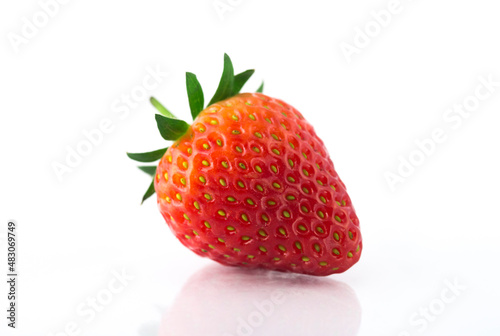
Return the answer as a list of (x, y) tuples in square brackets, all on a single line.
[(149, 192), (226, 84), (195, 94), (240, 80), (172, 128), (150, 170), (162, 109), (148, 156), (261, 88)]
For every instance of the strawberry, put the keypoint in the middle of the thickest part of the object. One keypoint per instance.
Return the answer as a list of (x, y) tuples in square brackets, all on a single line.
[(250, 184)]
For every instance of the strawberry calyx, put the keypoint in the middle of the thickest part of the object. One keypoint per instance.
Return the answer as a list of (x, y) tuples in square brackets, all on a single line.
[(171, 128)]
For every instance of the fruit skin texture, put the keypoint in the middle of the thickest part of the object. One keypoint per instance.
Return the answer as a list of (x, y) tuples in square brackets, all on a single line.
[(251, 184)]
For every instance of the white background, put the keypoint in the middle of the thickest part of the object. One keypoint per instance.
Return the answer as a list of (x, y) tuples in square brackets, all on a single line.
[(439, 226)]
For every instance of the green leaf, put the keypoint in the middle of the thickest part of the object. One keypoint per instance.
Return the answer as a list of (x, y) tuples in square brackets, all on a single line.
[(240, 80), (171, 129), (150, 170), (195, 94), (162, 109), (226, 84), (148, 156), (261, 88), (149, 192)]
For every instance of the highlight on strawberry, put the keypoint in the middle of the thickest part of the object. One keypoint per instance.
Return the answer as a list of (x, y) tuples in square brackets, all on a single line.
[(250, 184)]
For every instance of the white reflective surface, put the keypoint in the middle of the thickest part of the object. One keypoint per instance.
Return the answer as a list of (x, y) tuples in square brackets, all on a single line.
[(219, 300)]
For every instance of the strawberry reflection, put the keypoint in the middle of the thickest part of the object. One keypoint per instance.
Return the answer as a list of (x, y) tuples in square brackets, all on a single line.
[(228, 301)]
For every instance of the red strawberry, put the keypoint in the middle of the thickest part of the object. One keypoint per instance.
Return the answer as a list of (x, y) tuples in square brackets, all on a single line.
[(250, 184)]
